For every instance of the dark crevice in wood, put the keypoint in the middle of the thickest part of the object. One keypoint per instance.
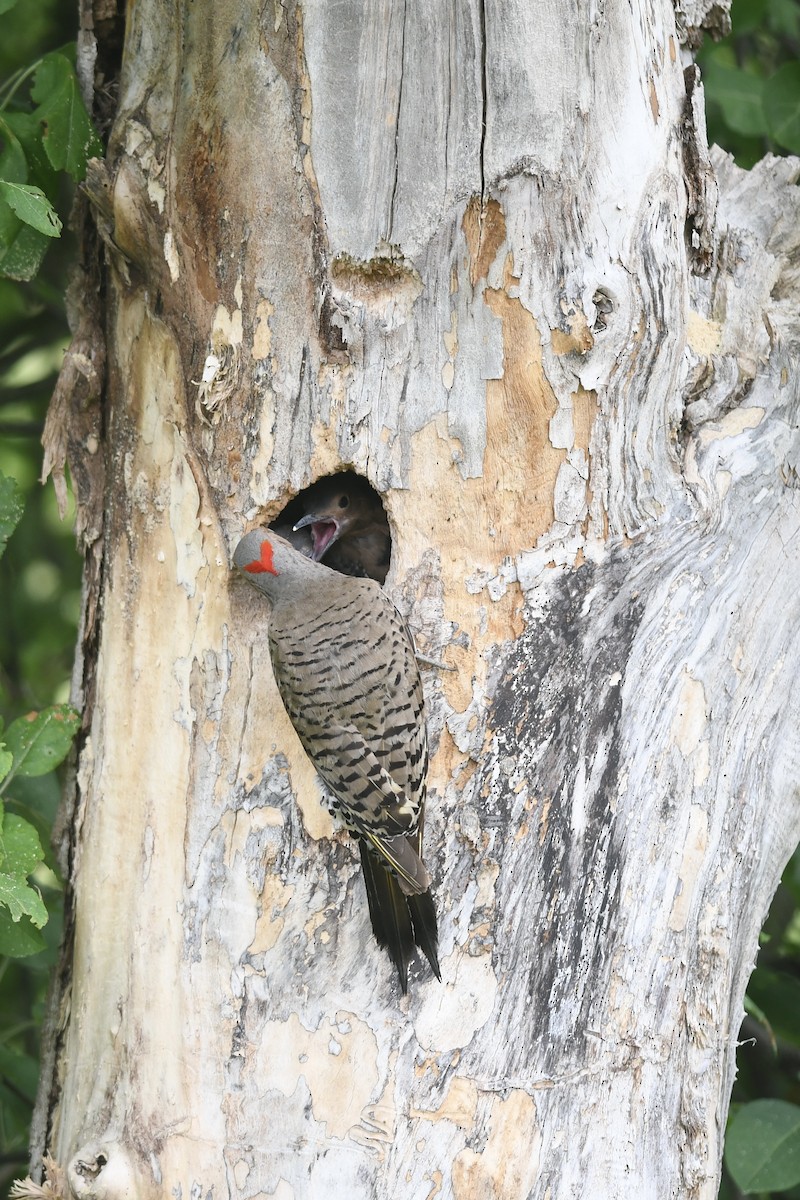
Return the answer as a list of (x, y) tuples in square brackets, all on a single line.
[(390, 233)]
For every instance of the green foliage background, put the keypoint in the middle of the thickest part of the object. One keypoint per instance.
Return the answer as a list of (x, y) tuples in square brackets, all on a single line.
[(39, 585), (752, 81), (752, 85)]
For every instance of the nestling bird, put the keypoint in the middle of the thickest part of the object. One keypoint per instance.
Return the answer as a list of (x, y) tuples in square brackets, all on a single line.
[(345, 668), (346, 523)]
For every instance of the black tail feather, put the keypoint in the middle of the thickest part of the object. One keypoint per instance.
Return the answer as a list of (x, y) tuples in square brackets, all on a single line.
[(426, 933), (399, 922)]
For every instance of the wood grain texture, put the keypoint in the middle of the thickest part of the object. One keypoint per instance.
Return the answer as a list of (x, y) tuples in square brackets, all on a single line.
[(453, 247)]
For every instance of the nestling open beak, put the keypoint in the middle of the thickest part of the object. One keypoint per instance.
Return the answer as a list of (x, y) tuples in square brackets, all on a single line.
[(324, 531)]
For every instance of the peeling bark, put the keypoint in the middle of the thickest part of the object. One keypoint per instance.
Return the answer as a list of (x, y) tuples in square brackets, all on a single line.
[(474, 253)]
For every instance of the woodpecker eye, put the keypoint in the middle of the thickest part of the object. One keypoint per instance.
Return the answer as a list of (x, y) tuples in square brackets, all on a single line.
[(344, 501)]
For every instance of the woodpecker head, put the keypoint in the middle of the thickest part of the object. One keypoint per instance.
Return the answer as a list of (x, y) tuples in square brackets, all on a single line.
[(272, 565)]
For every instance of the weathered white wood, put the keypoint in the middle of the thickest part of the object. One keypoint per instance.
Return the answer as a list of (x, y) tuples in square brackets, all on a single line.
[(453, 246)]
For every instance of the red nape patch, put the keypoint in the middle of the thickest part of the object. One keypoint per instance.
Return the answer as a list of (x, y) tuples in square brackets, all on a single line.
[(259, 565)]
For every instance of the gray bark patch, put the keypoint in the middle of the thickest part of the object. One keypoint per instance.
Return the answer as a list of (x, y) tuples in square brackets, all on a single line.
[(557, 716)]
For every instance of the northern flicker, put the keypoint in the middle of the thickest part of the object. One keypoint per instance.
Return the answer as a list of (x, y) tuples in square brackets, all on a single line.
[(347, 525), (345, 668)]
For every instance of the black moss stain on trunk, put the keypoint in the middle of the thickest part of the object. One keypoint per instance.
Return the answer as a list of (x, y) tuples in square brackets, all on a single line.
[(556, 714)]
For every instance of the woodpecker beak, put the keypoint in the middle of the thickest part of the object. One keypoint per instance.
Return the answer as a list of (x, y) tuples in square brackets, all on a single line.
[(324, 531)]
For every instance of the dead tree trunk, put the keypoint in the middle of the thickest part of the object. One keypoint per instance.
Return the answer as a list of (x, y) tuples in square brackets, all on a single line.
[(473, 252)]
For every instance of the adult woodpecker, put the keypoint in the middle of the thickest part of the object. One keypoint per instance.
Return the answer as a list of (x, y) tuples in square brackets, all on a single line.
[(346, 672), (347, 524)]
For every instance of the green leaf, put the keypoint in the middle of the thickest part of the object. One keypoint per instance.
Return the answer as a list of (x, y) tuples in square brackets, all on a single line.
[(28, 133), (782, 106), (22, 900), (20, 848), (26, 247), (19, 939), (11, 506), (762, 1146), (21, 1069), (46, 870), (51, 79), (40, 741), (31, 206), (747, 15), (20, 854), (5, 5), (739, 96), (6, 759), (13, 163), (68, 135), (783, 18)]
